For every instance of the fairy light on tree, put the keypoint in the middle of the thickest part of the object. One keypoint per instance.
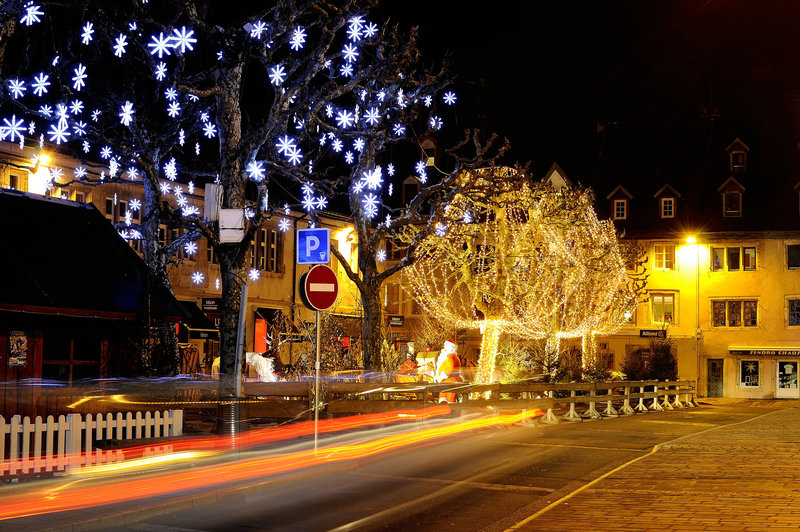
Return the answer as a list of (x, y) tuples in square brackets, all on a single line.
[(529, 260)]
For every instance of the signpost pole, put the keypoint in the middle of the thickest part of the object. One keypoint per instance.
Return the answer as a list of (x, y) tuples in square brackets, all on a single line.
[(316, 390)]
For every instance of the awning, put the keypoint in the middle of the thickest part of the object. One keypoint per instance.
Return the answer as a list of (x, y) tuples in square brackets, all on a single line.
[(197, 318)]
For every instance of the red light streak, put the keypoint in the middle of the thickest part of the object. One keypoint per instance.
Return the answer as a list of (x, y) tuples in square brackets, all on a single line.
[(76, 496)]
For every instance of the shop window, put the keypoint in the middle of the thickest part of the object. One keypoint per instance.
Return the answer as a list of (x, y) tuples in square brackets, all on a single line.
[(793, 256), (663, 307), (665, 256), (620, 209), (794, 312), (667, 207), (748, 373), (734, 313)]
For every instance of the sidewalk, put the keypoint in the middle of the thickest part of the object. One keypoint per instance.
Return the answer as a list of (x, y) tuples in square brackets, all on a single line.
[(740, 477)]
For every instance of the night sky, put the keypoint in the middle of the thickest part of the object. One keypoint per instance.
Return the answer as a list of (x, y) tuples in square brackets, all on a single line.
[(624, 86)]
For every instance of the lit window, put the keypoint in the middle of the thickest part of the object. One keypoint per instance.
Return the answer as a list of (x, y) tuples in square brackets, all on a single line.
[(732, 204), (738, 161), (736, 259), (667, 207), (717, 259), (665, 256), (663, 306), (620, 209), (794, 312), (749, 259), (735, 313), (748, 374)]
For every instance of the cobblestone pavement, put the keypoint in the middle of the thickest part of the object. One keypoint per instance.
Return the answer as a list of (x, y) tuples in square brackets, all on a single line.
[(741, 477)]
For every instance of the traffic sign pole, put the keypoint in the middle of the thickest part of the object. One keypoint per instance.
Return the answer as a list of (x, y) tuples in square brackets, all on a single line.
[(316, 390)]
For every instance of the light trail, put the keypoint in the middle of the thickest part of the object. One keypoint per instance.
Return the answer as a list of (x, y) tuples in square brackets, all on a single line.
[(77, 495)]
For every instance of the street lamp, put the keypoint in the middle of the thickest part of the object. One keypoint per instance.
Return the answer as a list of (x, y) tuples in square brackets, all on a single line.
[(698, 332)]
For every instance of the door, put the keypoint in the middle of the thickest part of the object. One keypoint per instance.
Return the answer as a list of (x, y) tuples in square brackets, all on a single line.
[(714, 377), (786, 385)]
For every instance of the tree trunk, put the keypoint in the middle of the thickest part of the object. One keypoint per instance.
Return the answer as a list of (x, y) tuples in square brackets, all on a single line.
[(588, 351), (491, 337), (371, 328), (232, 272), (551, 349)]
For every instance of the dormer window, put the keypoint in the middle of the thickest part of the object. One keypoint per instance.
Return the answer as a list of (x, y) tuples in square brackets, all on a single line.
[(620, 209), (667, 207), (732, 204), (738, 161)]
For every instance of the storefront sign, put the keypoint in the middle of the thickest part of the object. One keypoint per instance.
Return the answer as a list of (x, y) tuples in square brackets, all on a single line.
[(652, 333), (211, 304), (396, 321), (765, 351)]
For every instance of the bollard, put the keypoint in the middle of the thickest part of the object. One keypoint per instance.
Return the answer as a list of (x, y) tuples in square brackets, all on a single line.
[(549, 417), (610, 411), (592, 413), (655, 405), (677, 402), (626, 409), (665, 403), (641, 407), (572, 415)]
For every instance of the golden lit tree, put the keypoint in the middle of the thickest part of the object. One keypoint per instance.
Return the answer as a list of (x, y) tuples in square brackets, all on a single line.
[(530, 260)]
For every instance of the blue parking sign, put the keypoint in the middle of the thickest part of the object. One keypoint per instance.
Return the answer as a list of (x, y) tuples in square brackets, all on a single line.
[(313, 246)]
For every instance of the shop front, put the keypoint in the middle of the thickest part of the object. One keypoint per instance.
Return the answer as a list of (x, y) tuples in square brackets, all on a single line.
[(764, 372)]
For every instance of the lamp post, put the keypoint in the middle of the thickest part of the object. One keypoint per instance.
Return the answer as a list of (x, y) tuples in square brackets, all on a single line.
[(698, 332)]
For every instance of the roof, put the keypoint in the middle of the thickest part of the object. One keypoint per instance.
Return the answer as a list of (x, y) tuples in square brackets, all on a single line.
[(64, 257)]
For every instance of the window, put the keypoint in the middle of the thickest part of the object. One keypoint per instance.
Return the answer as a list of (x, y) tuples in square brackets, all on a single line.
[(738, 161), (663, 306), (392, 301), (735, 313), (620, 209), (211, 257), (748, 373), (667, 207), (732, 204), (665, 256), (793, 256), (14, 182), (733, 258), (265, 249), (794, 312), (109, 212), (68, 359), (80, 196)]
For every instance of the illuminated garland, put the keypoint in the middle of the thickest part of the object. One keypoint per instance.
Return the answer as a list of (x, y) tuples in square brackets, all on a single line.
[(534, 262)]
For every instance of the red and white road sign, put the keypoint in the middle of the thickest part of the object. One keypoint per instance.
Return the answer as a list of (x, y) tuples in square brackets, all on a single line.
[(320, 288)]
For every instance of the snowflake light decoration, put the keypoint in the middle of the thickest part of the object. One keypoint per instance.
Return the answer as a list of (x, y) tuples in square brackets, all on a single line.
[(257, 29), (86, 34), (283, 225), (277, 74), (254, 274), (449, 98), (170, 94), (399, 129), (105, 152), (435, 122), (183, 39), (17, 88), (294, 156), (160, 45), (135, 204), (209, 130), (40, 84), (79, 128), (358, 145), (255, 170), (372, 116), (197, 278), (337, 145), (298, 38), (120, 43), (190, 248), (79, 79), (80, 173), (390, 169), (370, 203), (373, 178), (348, 157), (350, 52), (126, 113), (59, 132), (160, 71), (173, 109), (381, 255), (12, 128), (344, 119), (32, 14), (76, 107), (346, 70)]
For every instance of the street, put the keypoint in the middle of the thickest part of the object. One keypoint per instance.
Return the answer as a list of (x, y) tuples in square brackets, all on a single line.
[(494, 479)]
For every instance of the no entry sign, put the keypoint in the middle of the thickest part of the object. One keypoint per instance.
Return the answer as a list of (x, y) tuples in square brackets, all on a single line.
[(319, 288)]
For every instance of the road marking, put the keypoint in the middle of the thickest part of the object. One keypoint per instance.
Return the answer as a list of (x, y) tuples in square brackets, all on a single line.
[(623, 466), (162, 528), (568, 446), (322, 287), (471, 484), (693, 423)]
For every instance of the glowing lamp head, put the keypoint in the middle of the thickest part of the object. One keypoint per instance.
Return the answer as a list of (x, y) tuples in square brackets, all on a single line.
[(691, 240)]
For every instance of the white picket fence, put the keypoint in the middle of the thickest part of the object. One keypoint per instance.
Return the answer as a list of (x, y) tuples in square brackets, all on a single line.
[(67, 444)]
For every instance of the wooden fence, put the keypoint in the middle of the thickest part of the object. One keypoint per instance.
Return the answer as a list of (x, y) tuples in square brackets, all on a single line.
[(68, 442)]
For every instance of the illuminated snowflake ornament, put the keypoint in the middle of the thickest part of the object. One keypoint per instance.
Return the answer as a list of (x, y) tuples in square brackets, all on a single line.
[(160, 45), (32, 14), (255, 170), (120, 43), (283, 225), (277, 74), (190, 248), (17, 88), (126, 113), (449, 98), (197, 278), (254, 274), (79, 79), (298, 38), (183, 39), (86, 35), (40, 84), (370, 204)]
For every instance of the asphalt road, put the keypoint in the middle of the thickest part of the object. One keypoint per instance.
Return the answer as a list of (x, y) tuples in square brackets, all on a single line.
[(487, 480)]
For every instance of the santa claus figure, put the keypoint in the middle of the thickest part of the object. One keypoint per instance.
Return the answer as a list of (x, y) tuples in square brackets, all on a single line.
[(448, 369)]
